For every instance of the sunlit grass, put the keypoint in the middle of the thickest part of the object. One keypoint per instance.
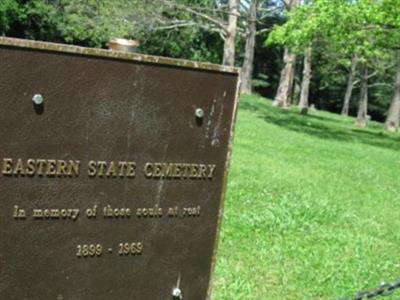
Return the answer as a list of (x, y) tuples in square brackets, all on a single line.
[(312, 209)]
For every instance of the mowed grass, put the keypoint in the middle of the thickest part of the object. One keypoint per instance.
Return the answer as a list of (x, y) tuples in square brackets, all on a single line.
[(312, 208)]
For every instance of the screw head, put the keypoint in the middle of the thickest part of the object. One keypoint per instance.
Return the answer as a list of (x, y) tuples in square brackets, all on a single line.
[(199, 112), (37, 99), (177, 293)]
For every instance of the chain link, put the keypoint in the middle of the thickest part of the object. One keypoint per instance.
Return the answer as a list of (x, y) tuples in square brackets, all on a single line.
[(385, 289)]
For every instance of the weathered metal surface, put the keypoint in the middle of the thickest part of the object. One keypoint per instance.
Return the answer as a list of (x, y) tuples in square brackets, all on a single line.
[(52, 47), (92, 144)]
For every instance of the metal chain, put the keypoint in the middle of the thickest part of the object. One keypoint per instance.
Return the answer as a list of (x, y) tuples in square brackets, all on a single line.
[(385, 289)]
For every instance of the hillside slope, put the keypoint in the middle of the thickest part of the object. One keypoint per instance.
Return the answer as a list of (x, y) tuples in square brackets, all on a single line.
[(312, 208)]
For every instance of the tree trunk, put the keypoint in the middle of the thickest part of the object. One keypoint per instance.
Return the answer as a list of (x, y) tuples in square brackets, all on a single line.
[(350, 86), (362, 115), (393, 117), (283, 93), (305, 85), (229, 45), (285, 86), (296, 90), (292, 77), (247, 68)]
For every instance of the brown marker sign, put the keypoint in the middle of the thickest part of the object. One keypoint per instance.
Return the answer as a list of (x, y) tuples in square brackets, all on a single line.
[(113, 167)]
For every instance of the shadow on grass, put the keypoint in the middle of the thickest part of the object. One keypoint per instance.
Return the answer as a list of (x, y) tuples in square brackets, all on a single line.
[(324, 127)]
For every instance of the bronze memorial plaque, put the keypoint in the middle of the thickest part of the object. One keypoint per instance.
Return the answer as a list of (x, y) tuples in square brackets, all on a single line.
[(113, 167)]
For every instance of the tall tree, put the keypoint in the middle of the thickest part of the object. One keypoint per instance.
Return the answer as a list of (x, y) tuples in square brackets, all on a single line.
[(247, 68), (254, 14), (282, 97), (391, 16), (283, 94), (362, 114), (213, 17), (230, 33), (393, 117), (305, 86), (354, 28), (350, 86)]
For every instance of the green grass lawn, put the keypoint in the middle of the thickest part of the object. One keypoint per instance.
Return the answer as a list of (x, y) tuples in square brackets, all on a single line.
[(312, 208)]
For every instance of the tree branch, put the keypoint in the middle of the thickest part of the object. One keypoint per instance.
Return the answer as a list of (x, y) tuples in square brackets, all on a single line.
[(174, 26), (216, 22), (380, 84), (289, 4), (369, 76), (261, 31)]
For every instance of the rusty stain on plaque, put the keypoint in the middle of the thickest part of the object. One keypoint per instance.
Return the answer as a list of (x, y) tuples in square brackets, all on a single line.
[(115, 189)]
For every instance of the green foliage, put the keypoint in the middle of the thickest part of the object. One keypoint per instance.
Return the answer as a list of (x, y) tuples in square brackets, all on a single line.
[(362, 27), (39, 20), (8, 14), (339, 30), (330, 76), (89, 23), (187, 43), (312, 207), (261, 81), (92, 22), (190, 41)]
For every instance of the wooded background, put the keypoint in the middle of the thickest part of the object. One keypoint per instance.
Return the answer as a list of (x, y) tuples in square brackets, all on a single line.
[(336, 55)]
